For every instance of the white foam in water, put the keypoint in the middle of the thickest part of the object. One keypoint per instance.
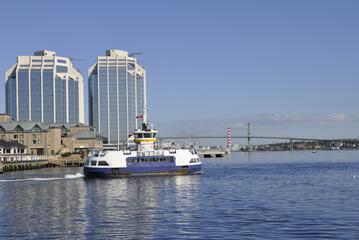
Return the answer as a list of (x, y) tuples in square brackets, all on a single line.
[(68, 176), (77, 175)]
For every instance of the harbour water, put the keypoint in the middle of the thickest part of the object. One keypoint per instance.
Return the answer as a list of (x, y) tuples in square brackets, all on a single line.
[(264, 195)]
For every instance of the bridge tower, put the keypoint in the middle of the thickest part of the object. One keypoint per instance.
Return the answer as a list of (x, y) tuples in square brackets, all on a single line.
[(249, 138), (229, 137)]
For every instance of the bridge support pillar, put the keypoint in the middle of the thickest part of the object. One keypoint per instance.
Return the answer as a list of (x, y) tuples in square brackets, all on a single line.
[(291, 144), (249, 138)]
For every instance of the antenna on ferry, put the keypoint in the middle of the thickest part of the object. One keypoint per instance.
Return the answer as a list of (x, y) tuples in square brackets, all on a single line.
[(145, 114)]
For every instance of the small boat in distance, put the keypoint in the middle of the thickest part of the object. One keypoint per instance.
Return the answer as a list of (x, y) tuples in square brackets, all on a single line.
[(145, 160)]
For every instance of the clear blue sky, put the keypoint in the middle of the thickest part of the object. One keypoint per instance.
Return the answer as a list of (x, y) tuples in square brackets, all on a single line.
[(210, 59)]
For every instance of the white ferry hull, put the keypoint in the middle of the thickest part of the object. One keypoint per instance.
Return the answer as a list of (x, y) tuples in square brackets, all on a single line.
[(134, 163)]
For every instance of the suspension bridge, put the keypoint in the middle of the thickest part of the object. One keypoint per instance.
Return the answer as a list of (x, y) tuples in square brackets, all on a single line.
[(249, 138)]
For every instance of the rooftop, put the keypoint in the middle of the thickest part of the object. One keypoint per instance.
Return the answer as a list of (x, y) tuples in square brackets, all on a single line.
[(44, 53), (11, 144), (116, 53), (28, 126)]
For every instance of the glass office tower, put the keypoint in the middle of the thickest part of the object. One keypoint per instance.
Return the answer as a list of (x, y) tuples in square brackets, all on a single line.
[(117, 95), (45, 88)]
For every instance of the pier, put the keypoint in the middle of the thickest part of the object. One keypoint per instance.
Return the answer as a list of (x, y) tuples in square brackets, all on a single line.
[(15, 162), (36, 162), (22, 165), (66, 162), (212, 153)]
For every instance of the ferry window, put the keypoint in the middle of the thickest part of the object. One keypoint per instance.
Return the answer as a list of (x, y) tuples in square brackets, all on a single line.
[(93, 163), (154, 135), (103, 163), (147, 135)]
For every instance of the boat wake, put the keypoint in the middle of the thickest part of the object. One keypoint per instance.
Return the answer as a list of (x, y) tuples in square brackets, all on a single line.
[(67, 176)]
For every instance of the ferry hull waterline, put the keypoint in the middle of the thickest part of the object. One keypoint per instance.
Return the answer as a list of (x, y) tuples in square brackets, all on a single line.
[(146, 160), (124, 172)]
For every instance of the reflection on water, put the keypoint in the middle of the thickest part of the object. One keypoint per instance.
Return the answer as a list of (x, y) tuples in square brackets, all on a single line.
[(261, 195), (136, 206), (30, 208)]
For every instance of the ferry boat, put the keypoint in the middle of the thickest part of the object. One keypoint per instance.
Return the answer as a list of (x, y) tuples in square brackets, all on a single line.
[(146, 159)]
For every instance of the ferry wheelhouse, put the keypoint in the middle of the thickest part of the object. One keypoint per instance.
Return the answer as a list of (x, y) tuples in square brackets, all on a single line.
[(146, 159)]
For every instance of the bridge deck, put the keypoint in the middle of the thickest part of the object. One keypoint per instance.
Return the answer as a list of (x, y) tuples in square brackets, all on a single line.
[(257, 137)]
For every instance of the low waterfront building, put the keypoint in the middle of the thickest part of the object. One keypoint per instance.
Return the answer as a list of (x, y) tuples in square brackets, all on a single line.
[(4, 117), (11, 147), (11, 150), (50, 139)]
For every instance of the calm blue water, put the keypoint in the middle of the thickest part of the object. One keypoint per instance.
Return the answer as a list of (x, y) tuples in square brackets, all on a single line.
[(283, 195)]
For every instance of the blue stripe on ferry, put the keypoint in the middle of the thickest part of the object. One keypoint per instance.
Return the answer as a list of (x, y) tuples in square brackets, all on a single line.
[(139, 169)]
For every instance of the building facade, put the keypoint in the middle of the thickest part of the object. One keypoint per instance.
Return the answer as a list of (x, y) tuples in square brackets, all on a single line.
[(51, 139), (44, 88), (117, 95)]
